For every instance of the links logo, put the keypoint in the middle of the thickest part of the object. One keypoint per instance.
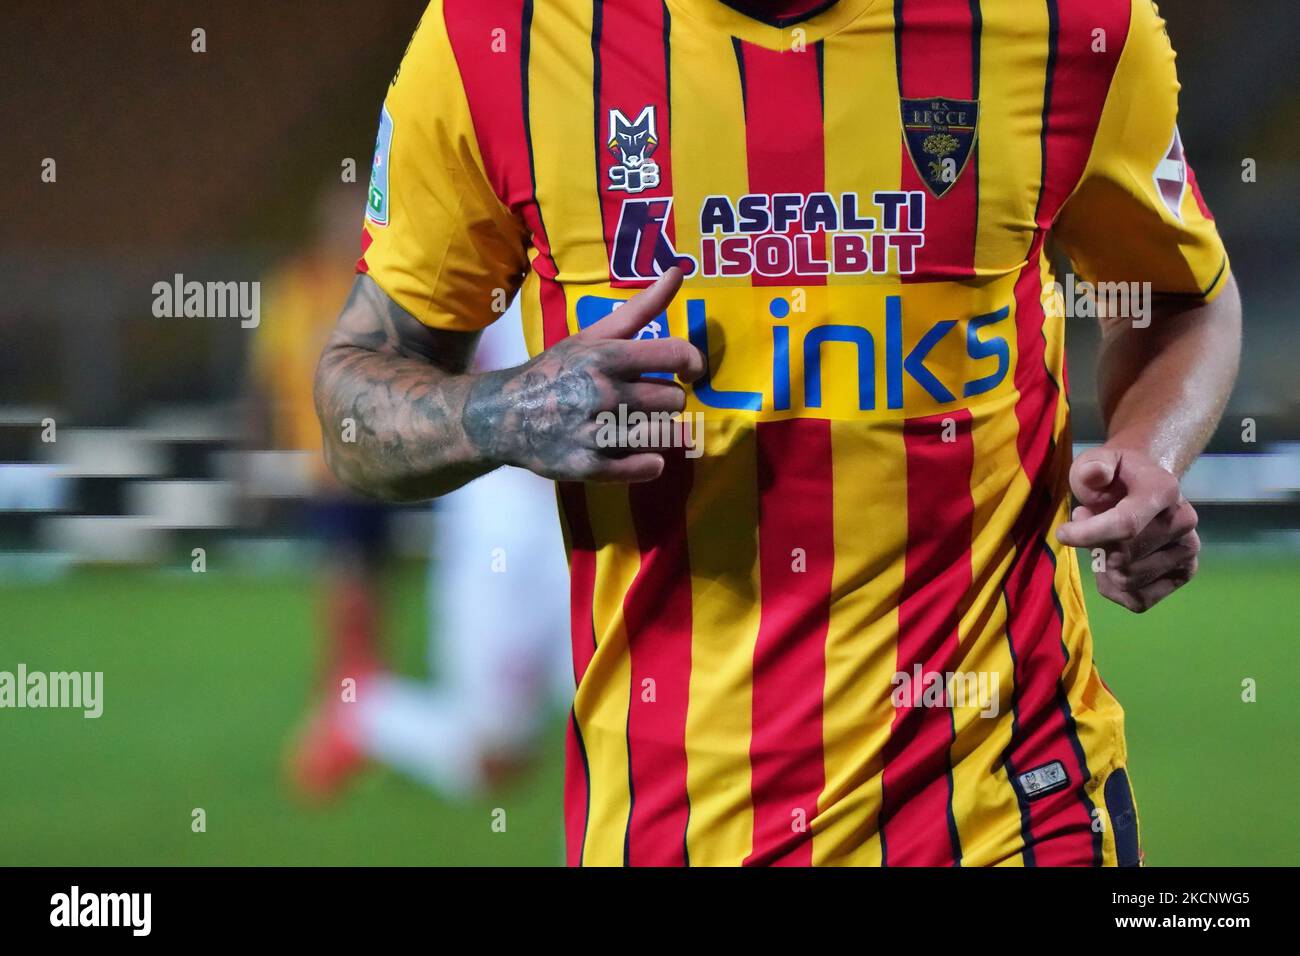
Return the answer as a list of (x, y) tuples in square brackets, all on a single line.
[(796, 356)]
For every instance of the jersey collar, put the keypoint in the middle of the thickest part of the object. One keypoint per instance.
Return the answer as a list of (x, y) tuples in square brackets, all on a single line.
[(822, 21)]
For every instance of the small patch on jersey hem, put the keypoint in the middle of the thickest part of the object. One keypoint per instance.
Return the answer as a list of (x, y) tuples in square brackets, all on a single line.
[(1040, 781)]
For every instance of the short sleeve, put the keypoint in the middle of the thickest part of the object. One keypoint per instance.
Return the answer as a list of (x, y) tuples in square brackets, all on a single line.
[(436, 237), (1137, 214)]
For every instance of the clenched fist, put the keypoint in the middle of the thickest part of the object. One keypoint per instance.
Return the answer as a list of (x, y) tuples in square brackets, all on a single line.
[(1134, 509)]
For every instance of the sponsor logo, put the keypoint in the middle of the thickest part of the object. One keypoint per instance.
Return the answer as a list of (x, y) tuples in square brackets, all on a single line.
[(801, 376), (777, 235), (939, 132), (377, 196), (632, 142), (641, 248)]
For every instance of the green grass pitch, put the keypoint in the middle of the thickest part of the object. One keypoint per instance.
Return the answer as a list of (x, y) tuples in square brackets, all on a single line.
[(206, 676)]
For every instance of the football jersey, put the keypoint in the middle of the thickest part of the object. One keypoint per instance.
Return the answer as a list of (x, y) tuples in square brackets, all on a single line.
[(840, 629)]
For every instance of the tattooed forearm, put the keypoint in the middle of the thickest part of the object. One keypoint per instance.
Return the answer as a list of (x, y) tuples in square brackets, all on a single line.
[(403, 419), (389, 395)]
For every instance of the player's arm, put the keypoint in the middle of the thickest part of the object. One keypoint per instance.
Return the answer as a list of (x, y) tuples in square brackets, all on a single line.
[(404, 419), (1163, 383), (401, 414), (1162, 389)]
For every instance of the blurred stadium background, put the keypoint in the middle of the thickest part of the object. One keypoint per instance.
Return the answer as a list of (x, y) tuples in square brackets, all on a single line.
[(211, 165)]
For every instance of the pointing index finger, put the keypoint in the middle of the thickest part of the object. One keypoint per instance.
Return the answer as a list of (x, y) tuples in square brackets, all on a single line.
[(627, 319)]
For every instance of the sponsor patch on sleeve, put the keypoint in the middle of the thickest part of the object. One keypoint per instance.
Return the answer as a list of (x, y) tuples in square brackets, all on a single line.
[(377, 197)]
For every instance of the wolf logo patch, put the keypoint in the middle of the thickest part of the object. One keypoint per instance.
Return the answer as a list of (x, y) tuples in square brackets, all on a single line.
[(633, 142), (939, 132)]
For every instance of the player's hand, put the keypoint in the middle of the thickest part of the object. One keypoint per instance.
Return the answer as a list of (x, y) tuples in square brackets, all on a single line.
[(543, 415), (1135, 510)]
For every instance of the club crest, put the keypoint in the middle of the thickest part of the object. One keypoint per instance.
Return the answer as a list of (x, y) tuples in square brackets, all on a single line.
[(633, 142), (940, 134)]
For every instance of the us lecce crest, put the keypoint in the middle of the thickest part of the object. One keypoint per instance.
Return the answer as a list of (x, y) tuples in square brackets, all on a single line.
[(939, 132)]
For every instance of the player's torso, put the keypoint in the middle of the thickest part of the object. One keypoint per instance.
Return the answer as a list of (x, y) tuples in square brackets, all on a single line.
[(857, 206), (854, 205), (880, 443), (859, 201)]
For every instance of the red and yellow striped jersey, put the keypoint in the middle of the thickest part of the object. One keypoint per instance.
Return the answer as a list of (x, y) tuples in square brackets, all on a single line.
[(845, 632)]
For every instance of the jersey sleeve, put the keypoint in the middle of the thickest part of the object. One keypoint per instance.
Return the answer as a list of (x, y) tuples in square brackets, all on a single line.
[(1137, 214), (436, 238)]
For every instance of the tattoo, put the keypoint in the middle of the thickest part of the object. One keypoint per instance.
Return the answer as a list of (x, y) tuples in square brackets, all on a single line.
[(532, 415), (388, 390), (403, 419)]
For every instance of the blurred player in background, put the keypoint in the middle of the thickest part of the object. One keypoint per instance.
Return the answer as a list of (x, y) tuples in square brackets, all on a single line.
[(352, 530), (498, 593), (498, 631)]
